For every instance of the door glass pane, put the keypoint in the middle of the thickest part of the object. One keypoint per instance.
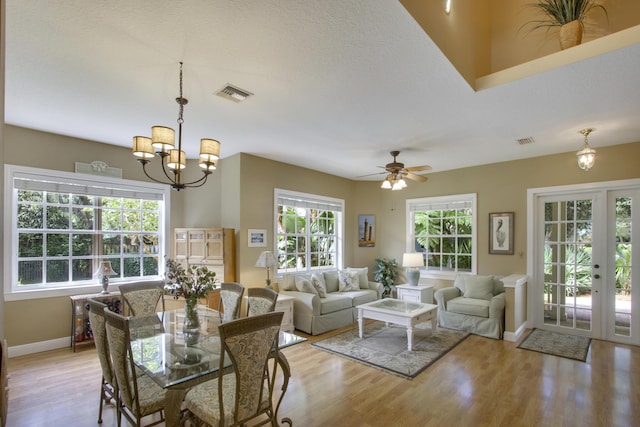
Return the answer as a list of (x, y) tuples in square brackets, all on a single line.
[(623, 245), (567, 264)]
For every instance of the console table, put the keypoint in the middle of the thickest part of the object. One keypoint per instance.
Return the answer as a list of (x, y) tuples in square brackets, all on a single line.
[(80, 327)]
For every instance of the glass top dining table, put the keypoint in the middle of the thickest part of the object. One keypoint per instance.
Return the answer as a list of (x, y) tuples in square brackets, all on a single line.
[(160, 350)]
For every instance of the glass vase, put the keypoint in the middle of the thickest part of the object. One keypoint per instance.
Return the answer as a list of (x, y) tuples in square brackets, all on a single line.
[(191, 327)]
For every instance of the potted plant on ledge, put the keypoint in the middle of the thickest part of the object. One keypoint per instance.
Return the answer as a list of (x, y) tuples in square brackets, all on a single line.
[(569, 15)]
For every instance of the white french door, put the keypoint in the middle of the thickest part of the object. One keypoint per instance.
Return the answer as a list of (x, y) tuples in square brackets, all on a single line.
[(582, 265)]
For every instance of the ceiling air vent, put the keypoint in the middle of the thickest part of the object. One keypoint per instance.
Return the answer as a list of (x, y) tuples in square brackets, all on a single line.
[(234, 94), (525, 141)]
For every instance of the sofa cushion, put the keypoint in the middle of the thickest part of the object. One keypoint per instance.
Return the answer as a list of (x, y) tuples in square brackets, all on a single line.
[(348, 281), (469, 306), (363, 276), (333, 302), (498, 286), (478, 287), (362, 296), (317, 280), (331, 280), (303, 284)]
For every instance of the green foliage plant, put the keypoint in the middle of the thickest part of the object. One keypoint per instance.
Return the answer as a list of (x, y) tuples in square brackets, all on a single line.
[(192, 283), (386, 272), (560, 12)]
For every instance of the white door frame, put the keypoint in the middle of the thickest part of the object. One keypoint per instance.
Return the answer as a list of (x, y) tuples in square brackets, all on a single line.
[(534, 196)]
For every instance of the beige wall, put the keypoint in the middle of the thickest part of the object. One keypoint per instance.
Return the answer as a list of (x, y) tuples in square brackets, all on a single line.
[(500, 187), (240, 196)]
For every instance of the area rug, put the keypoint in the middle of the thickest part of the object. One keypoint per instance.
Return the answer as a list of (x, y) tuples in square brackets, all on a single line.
[(563, 345), (386, 347)]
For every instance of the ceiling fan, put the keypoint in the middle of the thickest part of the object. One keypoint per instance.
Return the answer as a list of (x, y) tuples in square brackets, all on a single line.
[(396, 172)]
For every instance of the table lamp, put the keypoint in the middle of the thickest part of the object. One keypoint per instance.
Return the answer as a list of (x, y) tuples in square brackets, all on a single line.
[(103, 273), (411, 261), (267, 260)]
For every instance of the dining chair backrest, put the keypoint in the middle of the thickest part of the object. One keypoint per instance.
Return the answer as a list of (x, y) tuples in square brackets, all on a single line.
[(108, 389), (230, 300), (135, 402), (261, 301), (142, 297), (249, 343)]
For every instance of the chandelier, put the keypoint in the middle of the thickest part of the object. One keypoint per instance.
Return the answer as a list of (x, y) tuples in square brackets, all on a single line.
[(586, 156), (173, 161)]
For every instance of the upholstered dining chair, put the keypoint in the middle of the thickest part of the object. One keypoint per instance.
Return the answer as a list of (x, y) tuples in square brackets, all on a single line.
[(108, 388), (243, 394), (230, 300), (138, 395), (142, 297), (260, 301)]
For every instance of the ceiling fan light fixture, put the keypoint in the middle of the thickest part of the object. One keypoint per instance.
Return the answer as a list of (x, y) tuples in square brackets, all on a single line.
[(386, 184)]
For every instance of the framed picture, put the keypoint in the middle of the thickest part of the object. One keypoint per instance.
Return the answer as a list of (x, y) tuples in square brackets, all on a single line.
[(501, 233), (257, 238), (366, 231)]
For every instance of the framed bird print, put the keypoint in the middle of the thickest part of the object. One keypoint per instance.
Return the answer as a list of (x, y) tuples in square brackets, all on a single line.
[(501, 233)]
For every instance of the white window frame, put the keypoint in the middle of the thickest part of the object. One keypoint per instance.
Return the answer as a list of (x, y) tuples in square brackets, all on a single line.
[(311, 201), (11, 172), (443, 202)]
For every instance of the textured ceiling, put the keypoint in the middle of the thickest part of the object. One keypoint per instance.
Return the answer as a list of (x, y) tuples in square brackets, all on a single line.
[(338, 84)]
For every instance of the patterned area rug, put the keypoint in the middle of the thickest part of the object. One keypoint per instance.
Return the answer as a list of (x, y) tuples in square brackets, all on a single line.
[(386, 347), (563, 345)]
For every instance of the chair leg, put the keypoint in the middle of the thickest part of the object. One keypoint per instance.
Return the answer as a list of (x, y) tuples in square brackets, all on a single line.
[(102, 397)]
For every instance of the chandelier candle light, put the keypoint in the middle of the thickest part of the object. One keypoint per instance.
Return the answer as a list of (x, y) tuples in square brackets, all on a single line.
[(586, 156), (103, 273), (175, 160), (267, 260), (411, 261)]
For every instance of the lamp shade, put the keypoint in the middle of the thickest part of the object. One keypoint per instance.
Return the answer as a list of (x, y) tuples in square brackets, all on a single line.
[(209, 150), (105, 269), (142, 147), (266, 259), (412, 259), (163, 138), (586, 158), (177, 160)]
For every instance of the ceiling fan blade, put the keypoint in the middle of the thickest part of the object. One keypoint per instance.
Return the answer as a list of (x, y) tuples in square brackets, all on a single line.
[(372, 174), (418, 168), (415, 177)]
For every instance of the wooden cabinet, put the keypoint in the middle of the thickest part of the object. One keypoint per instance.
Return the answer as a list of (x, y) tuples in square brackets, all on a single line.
[(213, 248)]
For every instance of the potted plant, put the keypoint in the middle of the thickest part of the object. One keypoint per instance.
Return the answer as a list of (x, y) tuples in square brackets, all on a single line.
[(386, 272), (569, 15)]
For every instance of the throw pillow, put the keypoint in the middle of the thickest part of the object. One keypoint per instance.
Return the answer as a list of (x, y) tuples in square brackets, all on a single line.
[(348, 281), (363, 276), (478, 287), (288, 283), (304, 285), (317, 280)]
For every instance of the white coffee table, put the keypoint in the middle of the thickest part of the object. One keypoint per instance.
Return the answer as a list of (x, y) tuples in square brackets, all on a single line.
[(407, 314)]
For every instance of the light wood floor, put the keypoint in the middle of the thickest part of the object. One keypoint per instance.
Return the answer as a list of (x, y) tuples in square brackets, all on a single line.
[(481, 382)]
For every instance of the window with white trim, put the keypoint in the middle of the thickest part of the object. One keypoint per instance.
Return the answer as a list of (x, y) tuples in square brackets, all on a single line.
[(61, 226), (308, 231), (444, 229)]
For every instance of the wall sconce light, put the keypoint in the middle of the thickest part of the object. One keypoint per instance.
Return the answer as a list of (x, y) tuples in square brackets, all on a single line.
[(586, 156), (447, 6)]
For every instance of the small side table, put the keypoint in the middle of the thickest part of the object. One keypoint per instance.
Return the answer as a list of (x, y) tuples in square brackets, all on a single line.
[(419, 293)]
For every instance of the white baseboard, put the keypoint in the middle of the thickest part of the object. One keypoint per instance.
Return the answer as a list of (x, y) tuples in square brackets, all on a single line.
[(513, 336), (37, 347)]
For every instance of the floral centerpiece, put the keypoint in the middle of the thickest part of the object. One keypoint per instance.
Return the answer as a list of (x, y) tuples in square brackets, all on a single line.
[(192, 283)]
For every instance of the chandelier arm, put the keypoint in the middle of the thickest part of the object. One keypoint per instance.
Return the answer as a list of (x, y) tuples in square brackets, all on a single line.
[(144, 169)]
